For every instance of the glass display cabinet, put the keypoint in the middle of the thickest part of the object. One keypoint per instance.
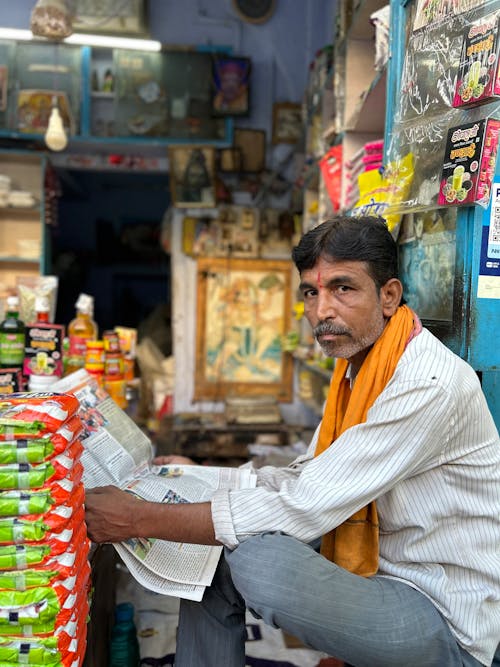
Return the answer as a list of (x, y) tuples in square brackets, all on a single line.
[(110, 94)]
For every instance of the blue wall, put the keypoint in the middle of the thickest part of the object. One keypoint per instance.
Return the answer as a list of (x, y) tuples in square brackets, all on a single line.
[(281, 49)]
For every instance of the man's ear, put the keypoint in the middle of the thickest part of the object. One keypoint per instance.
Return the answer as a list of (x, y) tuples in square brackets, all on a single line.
[(390, 296)]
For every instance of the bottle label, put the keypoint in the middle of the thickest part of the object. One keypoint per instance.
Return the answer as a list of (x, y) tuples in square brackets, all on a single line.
[(11, 349), (77, 346)]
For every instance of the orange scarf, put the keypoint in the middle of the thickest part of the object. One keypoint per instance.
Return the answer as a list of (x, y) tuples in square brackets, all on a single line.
[(354, 544)]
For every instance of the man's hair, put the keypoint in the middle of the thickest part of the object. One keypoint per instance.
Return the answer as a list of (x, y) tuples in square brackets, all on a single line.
[(363, 239)]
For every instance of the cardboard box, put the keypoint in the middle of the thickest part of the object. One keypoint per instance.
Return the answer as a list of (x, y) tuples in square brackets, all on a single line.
[(478, 79), (43, 349), (469, 163)]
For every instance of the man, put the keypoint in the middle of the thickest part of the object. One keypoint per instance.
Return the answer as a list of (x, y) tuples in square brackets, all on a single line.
[(416, 575)]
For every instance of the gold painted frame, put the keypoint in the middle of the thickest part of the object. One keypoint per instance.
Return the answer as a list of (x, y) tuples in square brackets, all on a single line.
[(243, 313)]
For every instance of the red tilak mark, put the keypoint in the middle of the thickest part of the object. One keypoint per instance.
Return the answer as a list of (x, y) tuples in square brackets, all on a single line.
[(319, 280)]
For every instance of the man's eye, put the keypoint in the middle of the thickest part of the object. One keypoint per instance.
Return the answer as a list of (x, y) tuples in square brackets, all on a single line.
[(343, 288), (309, 293)]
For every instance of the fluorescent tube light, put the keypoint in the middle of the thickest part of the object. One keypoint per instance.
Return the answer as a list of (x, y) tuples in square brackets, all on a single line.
[(88, 40)]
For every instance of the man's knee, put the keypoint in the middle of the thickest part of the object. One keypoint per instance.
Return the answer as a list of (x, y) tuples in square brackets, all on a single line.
[(264, 563)]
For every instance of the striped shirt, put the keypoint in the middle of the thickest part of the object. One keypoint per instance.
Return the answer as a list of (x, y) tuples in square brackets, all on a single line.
[(429, 453)]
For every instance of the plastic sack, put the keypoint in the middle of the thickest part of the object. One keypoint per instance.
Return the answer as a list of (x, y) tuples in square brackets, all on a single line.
[(28, 476), (39, 449), (384, 194), (35, 413)]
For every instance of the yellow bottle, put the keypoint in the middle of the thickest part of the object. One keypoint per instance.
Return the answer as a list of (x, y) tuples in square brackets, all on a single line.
[(81, 329)]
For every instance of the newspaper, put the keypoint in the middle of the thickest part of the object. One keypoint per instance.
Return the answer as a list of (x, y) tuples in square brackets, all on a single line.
[(118, 452)]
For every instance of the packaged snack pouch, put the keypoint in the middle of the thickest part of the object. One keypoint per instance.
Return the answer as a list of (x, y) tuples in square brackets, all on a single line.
[(59, 567), (37, 501), (35, 414), (35, 554), (35, 476), (385, 194), (39, 609), (35, 527), (37, 450)]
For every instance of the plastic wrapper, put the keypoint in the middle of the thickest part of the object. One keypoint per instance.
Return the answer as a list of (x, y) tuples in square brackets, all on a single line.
[(34, 528), (37, 450), (424, 111), (37, 501), (35, 476), (31, 287), (383, 194), (35, 414), (20, 558), (31, 554), (40, 609), (65, 565)]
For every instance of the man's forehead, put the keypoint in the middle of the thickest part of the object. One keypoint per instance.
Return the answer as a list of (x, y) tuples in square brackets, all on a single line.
[(329, 266)]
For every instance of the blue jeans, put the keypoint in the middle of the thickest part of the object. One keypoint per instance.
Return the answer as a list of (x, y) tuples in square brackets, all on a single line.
[(368, 622)]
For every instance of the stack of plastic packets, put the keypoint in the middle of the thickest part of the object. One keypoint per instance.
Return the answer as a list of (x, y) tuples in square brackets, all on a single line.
[(44, 548)]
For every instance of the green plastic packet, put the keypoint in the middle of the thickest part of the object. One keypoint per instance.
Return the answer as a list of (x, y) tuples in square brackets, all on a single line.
[(18, 503), (21, 580), (25, 476), (25, 451), (21, 556), (31, 651)]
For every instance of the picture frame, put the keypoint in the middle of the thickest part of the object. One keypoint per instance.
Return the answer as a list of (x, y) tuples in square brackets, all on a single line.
[(192, 176), (287, 123), (231, 81), (243, 313), (34, 108), (108, 17), (252, 146)]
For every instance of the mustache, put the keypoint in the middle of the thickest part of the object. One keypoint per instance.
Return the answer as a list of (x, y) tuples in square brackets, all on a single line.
[(327, 328)]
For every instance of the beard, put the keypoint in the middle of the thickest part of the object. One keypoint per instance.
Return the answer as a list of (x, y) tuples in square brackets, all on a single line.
[(347, 344)]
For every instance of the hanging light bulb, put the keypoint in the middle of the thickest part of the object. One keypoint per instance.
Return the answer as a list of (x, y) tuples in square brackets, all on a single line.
[(55, 136)]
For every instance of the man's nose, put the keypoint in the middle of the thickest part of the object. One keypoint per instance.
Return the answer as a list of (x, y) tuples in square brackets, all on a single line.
[(325, 307)]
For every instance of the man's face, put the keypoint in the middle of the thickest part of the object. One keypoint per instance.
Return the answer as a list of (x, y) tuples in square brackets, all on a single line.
[(344, 307)]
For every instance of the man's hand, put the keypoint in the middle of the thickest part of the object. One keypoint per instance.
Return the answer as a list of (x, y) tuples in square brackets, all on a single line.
[(111, 514)]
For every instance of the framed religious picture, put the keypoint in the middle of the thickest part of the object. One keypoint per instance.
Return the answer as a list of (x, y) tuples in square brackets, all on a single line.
[(127, 17), (231, 79), (34, 108), (287, 123), (243, 313), (192, 176)]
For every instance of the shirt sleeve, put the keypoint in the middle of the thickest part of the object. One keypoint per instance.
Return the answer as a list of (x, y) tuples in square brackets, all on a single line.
[(405, 431)]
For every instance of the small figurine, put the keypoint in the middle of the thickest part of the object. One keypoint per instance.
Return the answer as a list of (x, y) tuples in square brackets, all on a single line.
[(108, 84)]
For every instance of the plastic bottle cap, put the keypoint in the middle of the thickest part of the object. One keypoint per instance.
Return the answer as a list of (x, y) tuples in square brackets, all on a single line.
[(124, 612), (12, 302), (42, 304), (85, 303)]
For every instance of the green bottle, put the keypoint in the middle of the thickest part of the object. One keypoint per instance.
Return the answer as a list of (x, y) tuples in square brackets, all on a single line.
[(12, 336)]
